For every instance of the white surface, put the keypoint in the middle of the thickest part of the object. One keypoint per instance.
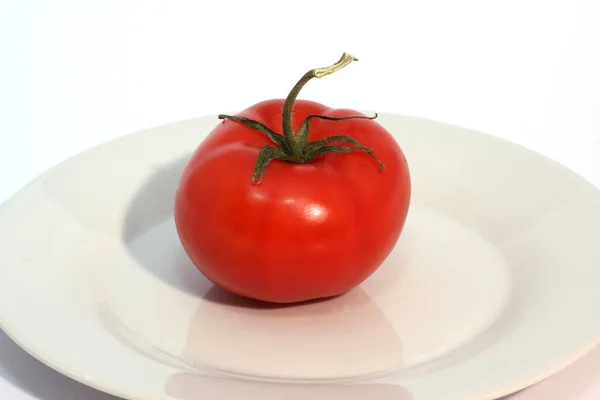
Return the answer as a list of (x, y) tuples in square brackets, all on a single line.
[(74, 74), (462, 308)]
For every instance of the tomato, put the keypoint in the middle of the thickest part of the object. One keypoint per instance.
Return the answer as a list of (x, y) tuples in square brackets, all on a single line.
[(308, 213)]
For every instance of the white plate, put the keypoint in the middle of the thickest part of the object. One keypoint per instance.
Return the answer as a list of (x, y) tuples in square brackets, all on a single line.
[(492, 286)]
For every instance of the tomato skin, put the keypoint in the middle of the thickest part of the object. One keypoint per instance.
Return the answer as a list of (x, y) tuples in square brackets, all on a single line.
[(307, 230)]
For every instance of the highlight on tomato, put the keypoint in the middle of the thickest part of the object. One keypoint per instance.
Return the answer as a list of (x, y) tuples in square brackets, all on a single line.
[(290, 200)]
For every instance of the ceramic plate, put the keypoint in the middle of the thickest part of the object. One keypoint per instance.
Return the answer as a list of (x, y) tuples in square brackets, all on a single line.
[(493, 285)]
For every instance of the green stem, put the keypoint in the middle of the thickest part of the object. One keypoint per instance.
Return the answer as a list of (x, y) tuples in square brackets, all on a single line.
[(286, 123), (295, 147), (274, 136)]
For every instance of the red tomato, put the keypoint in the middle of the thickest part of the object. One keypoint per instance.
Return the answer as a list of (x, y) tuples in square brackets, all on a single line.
[(294, 216)]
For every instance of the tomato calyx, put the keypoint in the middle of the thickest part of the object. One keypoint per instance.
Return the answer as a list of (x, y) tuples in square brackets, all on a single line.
[(294, 147)]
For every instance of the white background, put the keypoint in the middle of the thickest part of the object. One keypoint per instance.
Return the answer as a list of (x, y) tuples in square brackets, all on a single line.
[(74, 74)]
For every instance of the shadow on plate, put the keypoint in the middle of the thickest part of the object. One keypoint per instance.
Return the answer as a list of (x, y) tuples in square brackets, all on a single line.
[(38, 380), (149, 232), (219, 296), (154, 201)]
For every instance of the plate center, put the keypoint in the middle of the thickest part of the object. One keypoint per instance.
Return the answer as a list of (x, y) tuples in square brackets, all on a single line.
[(441, 286)]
